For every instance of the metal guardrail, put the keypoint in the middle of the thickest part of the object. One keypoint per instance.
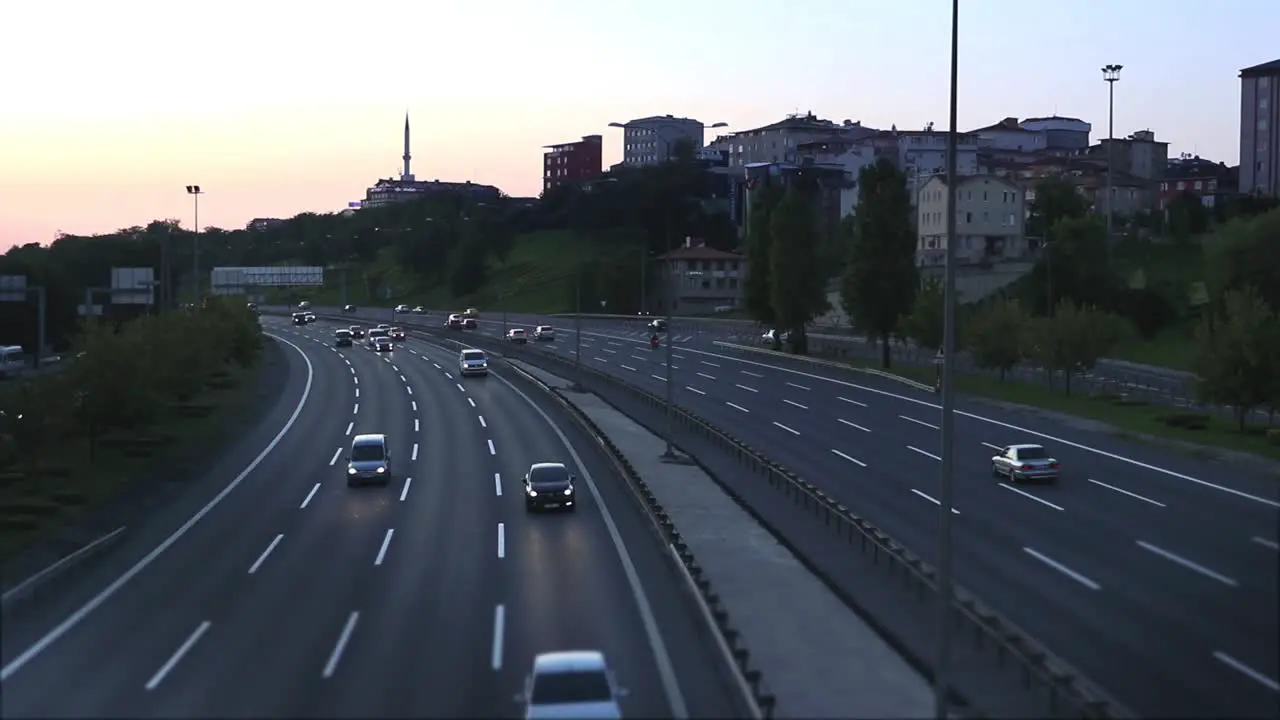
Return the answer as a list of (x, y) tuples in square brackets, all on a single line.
[(30, 588), (993, 639)]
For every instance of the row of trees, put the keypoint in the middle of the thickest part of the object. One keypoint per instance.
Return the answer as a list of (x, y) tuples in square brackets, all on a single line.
[(129, 377)]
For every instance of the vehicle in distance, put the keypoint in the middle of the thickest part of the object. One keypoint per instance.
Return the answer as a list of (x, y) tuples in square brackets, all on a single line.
[(1027, 463), (348, 308), (311, 317), (383, 326), (473, 362), (369, 461), (356, 331), (658, 325), (374, 334), (419, 310), (342, 338), (453, 322), (571, 684), (383, 343), (299, 318), (402, 308), (549, 485), (469, 324), (544, 332), (252, 307), (304, 305), (773, 337), (471, 313), (396, 333), (12, 361), (517, 335)]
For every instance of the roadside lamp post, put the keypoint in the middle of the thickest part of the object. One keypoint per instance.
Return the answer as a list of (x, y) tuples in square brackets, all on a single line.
[(1110, 74), (195, 192)]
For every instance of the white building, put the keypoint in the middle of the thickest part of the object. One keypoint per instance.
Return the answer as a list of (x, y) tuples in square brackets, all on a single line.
[(1008, 136), (650, 140), (779, 142), (990, 221)]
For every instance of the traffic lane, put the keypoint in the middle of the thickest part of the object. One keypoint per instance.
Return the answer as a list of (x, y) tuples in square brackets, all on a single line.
[(421, 642), (153, 614)]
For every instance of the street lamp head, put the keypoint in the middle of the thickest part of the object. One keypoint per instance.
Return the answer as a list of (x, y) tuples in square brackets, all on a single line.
[(193, 190), (617, 125), (1111, 73), (718, 125)]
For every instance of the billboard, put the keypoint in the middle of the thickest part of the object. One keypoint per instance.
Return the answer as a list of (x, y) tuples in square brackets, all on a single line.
[(238, 280), (133, 286), (13, 288)]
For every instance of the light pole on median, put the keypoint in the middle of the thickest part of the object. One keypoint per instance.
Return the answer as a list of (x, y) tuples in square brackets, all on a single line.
[(577, 331), (940, 672), (195, 192), (1110, 74)]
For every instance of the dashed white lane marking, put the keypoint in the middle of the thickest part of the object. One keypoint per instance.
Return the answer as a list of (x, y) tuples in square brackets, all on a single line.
[(310, 495), (413, 456), (933, 500), (499, 624), (922, 452), (409, 389), (694, 389), (627, 367), (748, 372), (448, 375), (403, 379), (709, 377), (801, 387), (677, 356), (784, 427), (657, 377), (357, 392), (333, 460), (349, 426), (460, 387), (355, 409), (748, 389), (497, 484), (473, 402), (1126, 492), (414, 404), (736, 407), (1063, 569), (483, 424), (416, 426), (853, 460), (796, 404), (637, 357), (600, 359), (437, 366), (851, 402), (611, 352), (263, 557), (919, 422), (997, 448), (1028, 495), (492, 451), (1272, 544), (1192, 566), (1247, 671), (704, 362), (173, 661), (386, 543), (343, 639), (502, 542), (856, 426), (404, 493)]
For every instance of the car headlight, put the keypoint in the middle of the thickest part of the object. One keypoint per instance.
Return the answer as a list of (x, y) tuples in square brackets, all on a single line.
[(533, 493), (351, 471), (568, 491), (382, 469)]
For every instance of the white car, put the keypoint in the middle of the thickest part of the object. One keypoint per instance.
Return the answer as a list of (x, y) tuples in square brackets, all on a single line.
[(517, 335), (544, 332), (402, 308), (773, 336), (571, 684), (473, 362)]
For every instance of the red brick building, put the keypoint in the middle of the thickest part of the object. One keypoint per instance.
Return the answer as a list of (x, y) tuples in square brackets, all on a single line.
[(571, 162), (1208, 180)]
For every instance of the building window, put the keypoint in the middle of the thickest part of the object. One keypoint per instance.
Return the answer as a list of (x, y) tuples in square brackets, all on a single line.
[(968, 217), (1181, 186)]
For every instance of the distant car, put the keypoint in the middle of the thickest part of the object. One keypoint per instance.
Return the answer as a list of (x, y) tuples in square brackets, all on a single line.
[(571, 684), (419, 310), (383, 344), (396, 334), (373, 336), (469, 324), (473, 362), (299, 318), (382, 326), (348, 308), (369, 460), (772, 337), (402, 308), (658, 325), (311, 317), (342, 338), (548, 485), (517, 335), (453, 322), (1025, 463), (304, 305), (544, 332), (356, 331), (252, 307), (471, 313)]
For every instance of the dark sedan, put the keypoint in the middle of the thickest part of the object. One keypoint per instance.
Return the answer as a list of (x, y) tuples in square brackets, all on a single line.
[(549, 485)]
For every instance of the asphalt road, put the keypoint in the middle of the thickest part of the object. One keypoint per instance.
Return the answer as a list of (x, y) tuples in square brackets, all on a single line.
[(297, 596), (1155, 574)]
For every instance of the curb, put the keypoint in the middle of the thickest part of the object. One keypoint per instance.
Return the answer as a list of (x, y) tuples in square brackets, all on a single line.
[(827, 363), (30, 588)]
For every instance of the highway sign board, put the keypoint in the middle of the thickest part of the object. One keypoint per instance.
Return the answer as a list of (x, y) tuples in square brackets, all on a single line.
[(13, 288), (133, 286)]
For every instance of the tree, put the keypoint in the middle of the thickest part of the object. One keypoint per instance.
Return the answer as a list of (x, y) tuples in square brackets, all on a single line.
[(1245, 253), (1238, 356), (797, 291), (1073, 339), (1055, 200), (998, 336), (1074, 266), (880, 279), (758, 287), (925, 323), (1187, 216)]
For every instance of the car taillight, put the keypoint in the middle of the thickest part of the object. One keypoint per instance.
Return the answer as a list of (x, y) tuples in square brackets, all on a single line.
[(1053, 466), (1025, 467)]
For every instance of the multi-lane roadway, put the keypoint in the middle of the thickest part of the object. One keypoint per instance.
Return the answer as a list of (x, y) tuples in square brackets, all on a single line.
[(290, 594), (1151, 571)]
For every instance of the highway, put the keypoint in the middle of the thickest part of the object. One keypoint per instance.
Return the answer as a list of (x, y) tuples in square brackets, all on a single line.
[(1154, 573), (296, 596)]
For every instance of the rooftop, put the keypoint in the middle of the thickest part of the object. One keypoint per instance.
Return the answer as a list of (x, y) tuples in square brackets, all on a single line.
[(1052, 117), (1268, 68), (699, 253), (1009, 124)]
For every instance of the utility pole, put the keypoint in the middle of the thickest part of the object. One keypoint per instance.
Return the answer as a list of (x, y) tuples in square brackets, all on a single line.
[(577, 332), (195, 192), (1111, 74), (941, 685)]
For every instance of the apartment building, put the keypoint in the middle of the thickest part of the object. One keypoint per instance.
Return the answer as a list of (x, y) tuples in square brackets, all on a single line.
[(651, 140), (1210, 181), (571, 162), (1260, 129), (778, 142), (990, 221), (696, 279)]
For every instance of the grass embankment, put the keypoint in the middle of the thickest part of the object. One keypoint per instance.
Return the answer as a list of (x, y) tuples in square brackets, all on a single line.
[(38, 496), (1133, 417)]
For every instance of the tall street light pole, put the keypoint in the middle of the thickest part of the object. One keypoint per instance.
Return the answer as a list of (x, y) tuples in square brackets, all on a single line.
[(1111, 74), (941, 665), (195, 192)]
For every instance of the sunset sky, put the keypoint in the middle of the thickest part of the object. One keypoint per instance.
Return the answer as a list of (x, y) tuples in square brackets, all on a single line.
[(277, 107)]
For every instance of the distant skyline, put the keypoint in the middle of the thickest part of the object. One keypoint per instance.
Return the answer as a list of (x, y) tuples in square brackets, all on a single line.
[(118, 106)]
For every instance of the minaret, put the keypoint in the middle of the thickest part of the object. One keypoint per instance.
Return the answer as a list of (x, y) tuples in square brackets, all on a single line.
[(406, 175)]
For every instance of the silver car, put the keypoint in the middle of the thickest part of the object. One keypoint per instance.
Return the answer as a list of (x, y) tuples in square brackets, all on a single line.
[(369, 461), (1021, 463), (571, 684), (473, 362)]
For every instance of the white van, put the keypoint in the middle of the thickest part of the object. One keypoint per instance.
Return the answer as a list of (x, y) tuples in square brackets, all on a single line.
[(473, 362)]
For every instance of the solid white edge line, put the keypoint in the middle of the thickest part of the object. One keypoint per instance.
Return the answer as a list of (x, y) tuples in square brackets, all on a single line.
[(405, 491), (1192, 566), (1083, 580), (79, 615), (341, 645), (386, 543), (263, 557), (499, 623), (174, 659), (661, 658)]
